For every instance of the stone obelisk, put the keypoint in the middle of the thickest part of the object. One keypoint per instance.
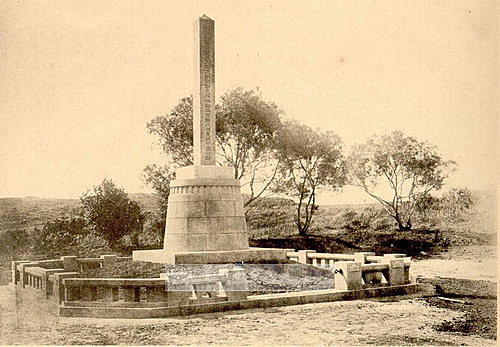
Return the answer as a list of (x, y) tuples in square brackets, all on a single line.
[(205, 215), (204, 92)]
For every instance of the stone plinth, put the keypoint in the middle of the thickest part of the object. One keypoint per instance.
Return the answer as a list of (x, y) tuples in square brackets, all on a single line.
[(206, 221), (205, 212)]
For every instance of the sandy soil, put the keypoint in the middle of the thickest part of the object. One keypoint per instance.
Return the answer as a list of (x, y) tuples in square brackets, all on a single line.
[(408, 321), (472, 262)]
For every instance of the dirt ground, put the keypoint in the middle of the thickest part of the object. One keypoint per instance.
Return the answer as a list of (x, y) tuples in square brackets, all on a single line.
[(407, 321), (470, 262)]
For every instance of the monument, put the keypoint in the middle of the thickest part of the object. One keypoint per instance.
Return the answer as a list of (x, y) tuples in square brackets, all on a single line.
[(205, 215)]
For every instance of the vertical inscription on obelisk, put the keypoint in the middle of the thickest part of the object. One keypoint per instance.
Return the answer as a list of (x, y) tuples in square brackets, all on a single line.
[(204, 93)]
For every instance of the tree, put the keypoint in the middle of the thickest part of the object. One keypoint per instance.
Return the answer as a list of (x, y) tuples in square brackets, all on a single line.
[(159, 178), (60, 236), (310, 160), (111, 213), (408, 168), (246, 130)]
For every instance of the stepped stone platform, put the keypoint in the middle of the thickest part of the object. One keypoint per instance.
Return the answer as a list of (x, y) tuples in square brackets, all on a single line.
[(251, 254)]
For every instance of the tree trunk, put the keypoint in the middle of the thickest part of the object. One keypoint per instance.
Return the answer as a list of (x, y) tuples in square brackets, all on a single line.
[(401, 225)]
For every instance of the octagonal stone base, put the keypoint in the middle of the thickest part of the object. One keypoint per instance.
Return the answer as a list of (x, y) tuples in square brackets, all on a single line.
[(205, 212)]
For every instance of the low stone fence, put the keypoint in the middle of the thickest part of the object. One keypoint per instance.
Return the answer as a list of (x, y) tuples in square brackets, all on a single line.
[(178, 289), (57, 285), (58, 282), (359, 270), (41, 274)]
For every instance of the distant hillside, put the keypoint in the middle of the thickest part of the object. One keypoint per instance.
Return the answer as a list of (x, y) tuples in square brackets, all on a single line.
[(30, 212), (22, 213)]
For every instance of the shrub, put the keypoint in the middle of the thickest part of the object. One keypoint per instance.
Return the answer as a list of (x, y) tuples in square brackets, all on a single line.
[(153, 233), (457, 200), (89, 245), (14, 240), (368, 218), (58, 236), (452, 206), (111, 213)]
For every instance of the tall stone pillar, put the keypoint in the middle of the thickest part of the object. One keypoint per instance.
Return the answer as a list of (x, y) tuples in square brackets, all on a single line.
[(205, 208), (204, 92)]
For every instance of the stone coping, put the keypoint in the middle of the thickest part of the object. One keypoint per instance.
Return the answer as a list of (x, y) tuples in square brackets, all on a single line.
[(205, 182), (114, 281)]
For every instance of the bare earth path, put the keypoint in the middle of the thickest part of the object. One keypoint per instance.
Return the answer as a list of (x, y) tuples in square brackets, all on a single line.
[(408, 321), (472, 262)]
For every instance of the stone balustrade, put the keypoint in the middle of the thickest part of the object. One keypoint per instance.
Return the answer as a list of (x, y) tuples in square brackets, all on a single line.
[(57, 285), (227, 285), (360, 270), (114, 289), (37, 274), (59, 281)]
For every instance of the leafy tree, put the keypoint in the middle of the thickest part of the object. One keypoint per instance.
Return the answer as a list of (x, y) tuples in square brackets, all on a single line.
[(246, 130), (406, 168), (175, 133), (14, 241), (111, 213), (457, 200), (159, 178), (60, 236), (309, 160)]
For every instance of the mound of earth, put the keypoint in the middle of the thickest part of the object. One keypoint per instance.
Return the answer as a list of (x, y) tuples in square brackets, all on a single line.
[(261, 278)]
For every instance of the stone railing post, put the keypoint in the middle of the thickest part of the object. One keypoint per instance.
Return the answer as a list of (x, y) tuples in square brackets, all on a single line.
[(108, 260), (348, 276), (156, 294), (396, 272), (369, 277), (302, 255), (131, 294), (407, 264), (179, 289), (23, 276), (46, 284), (58, 286), (360, 257), (70, 263), (110, 294), (235, 287), (15, 273)]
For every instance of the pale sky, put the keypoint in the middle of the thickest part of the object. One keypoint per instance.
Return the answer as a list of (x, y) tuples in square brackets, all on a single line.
[(80, 80)]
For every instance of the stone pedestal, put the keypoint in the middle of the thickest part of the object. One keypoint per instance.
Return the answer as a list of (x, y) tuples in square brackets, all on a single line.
[(205, 211), (206, 221)]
